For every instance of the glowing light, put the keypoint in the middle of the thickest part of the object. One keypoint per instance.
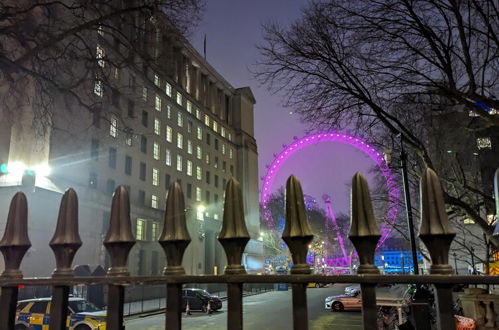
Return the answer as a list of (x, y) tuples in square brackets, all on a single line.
[(357, 143), (3, 168), (201, 208), (16, 168), (43, 170)]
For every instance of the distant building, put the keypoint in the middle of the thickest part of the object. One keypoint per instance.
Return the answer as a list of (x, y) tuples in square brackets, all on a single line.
[(173, 119)]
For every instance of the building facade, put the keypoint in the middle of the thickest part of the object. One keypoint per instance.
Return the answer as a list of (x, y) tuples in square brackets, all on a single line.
[(170, 118)]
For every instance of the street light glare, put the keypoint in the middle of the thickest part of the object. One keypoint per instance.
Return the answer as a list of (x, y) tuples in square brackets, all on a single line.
[(201, 208)]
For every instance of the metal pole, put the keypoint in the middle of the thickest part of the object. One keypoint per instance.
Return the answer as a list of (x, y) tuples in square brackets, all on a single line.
[(408, 206), (455, 263), (472, 260)]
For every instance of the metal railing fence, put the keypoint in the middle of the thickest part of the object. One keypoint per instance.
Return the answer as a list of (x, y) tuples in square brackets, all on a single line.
[(435, 232)]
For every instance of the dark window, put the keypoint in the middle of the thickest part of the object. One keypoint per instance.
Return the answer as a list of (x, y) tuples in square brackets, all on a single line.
[(128, 165), (216, 181), (142, 197), (179, 181), (92, 180), (94, 149), (110, 186), (208, 138), (131, 109), (128, 189), (115, 98), (232, 169), (189, 126), (143, 144), (142, 174), (112, 157), (208, 177), (145, 118), (216, 198), (131, 82), (216, 144), (189, 190), (96, 114), (142, 262), (39, 307), (216, 162), (167, 181), (224, 166), (224, 183), (154, 262), (207, 196)]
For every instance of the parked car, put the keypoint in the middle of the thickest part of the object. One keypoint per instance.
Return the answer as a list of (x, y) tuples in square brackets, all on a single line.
[(82, 314), (198, 300), (352, 301), (352, 289), (316, 285)]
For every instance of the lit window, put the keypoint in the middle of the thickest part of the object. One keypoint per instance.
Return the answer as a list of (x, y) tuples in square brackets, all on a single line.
[(199, 133), (468, 221), (230, 153), (180, 119), (157, 81), (230, 137), (169, 134), (157, 126), (157, 103), (223, 148), (99, 55), (113, 127), (207, 159), (198, 195), (144, 93), (128, 139), (189, 147), (156, 152), (215, 126), (98, 88), (168, 90), (199, 152), (180, 141), (222, 131), (189, 168), (198, 114), (168, 157), (472, 114), (154, 201), (155, 177), (484, 143), (491, 218), (179, 98), (100, 30), (199, 213), (179, 163), (169, 111), (140, 229), (199, 175), (207, 120), (154, 231), (189, 107), (215, 216)]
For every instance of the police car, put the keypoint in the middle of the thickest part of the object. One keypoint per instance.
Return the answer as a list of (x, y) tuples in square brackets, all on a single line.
[(82, 315)]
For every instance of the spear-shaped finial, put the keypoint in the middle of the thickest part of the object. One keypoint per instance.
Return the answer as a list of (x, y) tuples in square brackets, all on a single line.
[(119, 239), (364, 232), (175, 238), (66, 240), (15, 241), (234, 235), (436, 231), (496, 194), (297, 232)]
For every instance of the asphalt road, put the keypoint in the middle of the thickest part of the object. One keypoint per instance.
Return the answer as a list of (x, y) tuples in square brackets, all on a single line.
[(271, 310)]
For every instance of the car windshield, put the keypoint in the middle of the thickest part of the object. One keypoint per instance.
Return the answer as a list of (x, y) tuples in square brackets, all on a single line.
[(83, 306), (204, 294)]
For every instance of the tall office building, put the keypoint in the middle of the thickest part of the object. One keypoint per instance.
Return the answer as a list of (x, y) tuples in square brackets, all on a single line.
[(152, 122)]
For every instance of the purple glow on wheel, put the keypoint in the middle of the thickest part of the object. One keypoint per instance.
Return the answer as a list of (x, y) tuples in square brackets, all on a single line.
[(359, 144)]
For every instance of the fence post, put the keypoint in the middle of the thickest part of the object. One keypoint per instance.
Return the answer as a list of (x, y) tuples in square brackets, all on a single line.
[(118, 241), (364, 234), (65, 243), (14, 244), (234, 236), (298, 235), (437, 234), (174, 239)]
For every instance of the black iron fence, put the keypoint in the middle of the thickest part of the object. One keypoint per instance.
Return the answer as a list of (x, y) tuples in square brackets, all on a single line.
[(435, 232)]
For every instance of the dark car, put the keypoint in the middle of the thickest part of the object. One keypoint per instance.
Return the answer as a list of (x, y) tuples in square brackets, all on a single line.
[(198, 300)]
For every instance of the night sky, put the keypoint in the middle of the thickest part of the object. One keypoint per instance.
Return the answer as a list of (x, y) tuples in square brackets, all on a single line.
[(233, 28)]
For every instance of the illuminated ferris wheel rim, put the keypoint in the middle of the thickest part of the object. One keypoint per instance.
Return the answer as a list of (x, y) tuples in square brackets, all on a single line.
[(359, 144)]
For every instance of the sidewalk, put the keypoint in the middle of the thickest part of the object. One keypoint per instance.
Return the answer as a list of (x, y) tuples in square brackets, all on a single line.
[(151, 306)]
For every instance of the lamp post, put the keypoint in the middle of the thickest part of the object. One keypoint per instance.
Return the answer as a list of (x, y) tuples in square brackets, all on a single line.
[(408, 206)]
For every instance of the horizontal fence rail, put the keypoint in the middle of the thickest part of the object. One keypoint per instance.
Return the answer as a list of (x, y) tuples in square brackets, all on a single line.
[(436, 232)]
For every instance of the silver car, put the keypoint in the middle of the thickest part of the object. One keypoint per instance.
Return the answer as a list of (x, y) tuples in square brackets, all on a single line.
[(343, 302)]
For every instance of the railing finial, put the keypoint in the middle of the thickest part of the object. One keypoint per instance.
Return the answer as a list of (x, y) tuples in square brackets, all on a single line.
[(175, 238), (234, 235), (119, 239), (66, 240), (364, 232), (436, 231), (297, 232), (496, 195), (15, 241)]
